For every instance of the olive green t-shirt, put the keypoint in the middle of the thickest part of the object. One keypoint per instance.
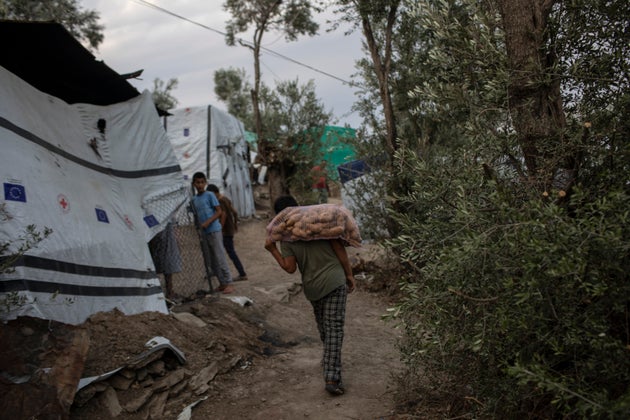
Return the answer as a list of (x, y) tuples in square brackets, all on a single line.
[(320, 268)]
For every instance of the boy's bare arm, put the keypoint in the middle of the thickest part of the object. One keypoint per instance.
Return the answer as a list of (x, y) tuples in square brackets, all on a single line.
[(342, 256), (215, 216), (288, 264)]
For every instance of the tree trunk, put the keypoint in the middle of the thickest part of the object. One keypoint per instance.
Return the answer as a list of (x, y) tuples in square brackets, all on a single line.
[(534, 91), (382, 68), (255, 98), (382, 59), (278, 186), (273, 171)]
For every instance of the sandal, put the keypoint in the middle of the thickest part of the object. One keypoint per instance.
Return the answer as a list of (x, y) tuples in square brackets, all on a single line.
[(335, 388)]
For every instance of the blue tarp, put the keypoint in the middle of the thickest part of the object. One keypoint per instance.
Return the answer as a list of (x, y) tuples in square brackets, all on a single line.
[(351, 170)]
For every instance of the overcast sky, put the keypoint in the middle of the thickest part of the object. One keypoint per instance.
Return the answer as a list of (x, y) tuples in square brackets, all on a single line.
[(140, 37)]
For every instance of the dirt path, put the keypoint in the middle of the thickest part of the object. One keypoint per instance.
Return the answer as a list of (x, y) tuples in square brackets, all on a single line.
[(265, 356), (288, 384)]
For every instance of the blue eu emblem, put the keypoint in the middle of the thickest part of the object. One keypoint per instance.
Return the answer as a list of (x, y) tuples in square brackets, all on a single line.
[(14, 192), (101, 215), (151, 221)]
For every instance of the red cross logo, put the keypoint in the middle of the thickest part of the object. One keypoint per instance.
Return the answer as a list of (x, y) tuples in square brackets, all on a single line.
[(63, 202), (128, 222)]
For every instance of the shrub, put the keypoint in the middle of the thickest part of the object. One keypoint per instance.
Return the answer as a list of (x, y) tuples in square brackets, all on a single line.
[(517, 303)]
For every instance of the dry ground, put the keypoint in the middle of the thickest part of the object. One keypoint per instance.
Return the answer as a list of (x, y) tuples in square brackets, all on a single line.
[(288, 384), (268, 352)]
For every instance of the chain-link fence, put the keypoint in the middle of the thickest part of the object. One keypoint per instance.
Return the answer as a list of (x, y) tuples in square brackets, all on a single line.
[(181, 250)]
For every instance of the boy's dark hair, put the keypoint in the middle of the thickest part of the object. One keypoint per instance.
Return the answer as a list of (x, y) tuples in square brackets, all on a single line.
[(198, 175), (213, 188), (283, 202)]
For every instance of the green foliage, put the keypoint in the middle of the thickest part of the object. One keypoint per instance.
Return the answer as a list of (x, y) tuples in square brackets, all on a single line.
[(597, 56), (11, 252), (292, 18), (162, 93), (295, 119), (515, 301), (12, 301), (83, 24), (14, 250), (231, 86), (500, 290)]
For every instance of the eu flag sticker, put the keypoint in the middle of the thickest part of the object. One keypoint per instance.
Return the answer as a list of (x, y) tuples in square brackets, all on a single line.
[(151, 221), (101, 215), (14, 192)]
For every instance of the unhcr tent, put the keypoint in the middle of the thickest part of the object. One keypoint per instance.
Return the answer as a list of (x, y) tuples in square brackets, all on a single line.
[(208, 140), (105, 179)]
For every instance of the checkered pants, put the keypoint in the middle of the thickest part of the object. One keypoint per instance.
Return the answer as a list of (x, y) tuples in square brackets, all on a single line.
[(330, 313)]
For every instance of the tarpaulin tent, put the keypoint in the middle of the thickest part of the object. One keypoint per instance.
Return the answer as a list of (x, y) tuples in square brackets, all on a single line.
[(47, 57), (336, 146), (105, 179), (209, 140)]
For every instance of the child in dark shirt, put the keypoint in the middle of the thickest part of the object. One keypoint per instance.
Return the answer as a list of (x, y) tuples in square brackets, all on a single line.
[(229, 226)]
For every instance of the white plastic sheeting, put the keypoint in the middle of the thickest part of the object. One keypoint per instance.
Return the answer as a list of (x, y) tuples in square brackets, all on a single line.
[(104, 192), (208, 140)]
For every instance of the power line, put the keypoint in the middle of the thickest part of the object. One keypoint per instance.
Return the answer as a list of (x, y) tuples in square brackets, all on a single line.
[(168, 12), (242, 41)]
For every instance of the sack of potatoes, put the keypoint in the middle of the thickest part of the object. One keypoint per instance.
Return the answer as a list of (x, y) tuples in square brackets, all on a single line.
[(319, 221)]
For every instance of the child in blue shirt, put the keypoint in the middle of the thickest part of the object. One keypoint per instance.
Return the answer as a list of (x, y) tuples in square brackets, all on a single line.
[(209, 215)]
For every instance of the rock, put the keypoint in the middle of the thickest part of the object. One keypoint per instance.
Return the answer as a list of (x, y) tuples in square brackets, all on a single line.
[(148, 381), (157, 368), (169, 381), (189, 319), (202, 389), (27, 331), (135, 403), (108, 399), (231, 363), (141, 374), (86, 393), (177, 389), (127, 373), (282, 292), (145, 359), (203, 377), (156, 405), (120, 382)]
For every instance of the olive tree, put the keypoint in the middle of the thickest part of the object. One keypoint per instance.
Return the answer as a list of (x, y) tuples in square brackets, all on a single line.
[(291, 18), (514, 245)]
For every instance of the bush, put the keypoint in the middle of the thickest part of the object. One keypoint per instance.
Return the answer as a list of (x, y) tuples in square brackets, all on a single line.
[(517, 304)]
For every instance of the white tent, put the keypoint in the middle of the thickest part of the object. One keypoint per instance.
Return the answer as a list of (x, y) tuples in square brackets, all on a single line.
[(105, 180), (208, 140)]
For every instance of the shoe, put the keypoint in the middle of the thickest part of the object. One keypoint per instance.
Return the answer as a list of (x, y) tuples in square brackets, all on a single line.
[(239, 278), (335, 388), (226, 289), (341, 386)]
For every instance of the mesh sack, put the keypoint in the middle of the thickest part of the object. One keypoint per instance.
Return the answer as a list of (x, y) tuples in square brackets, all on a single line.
[(319, 221)]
